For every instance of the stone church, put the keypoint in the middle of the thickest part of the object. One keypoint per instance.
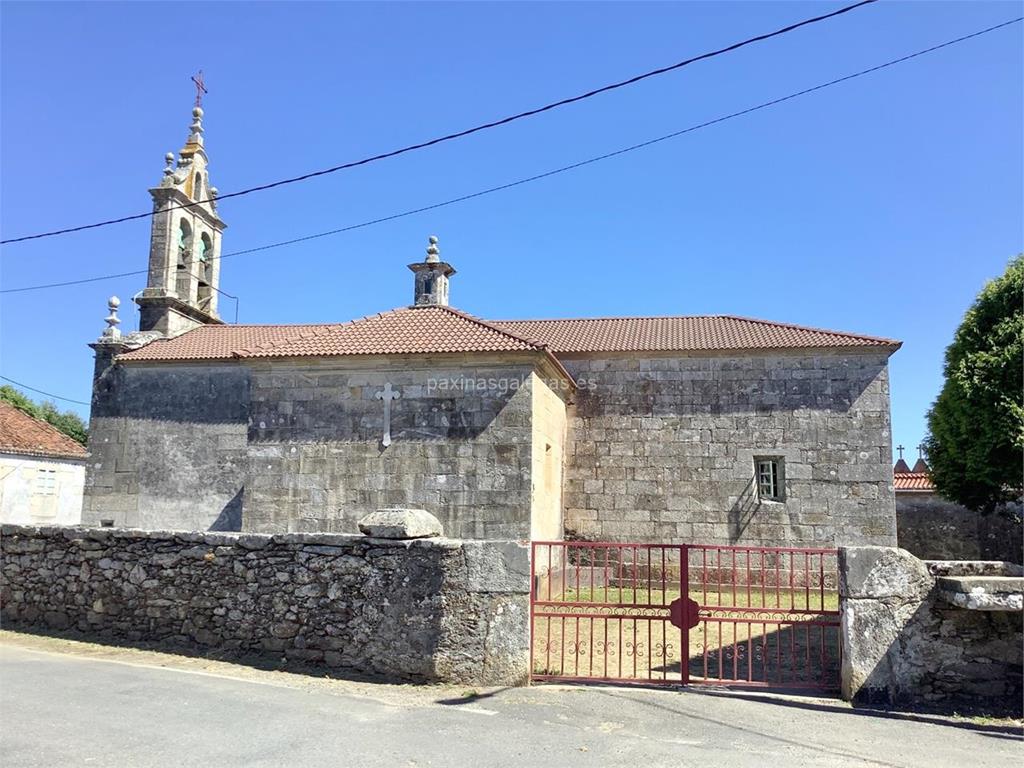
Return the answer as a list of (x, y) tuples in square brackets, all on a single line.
[(710, 429)]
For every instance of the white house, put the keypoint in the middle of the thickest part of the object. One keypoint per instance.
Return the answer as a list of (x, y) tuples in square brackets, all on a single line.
[(42, 471)]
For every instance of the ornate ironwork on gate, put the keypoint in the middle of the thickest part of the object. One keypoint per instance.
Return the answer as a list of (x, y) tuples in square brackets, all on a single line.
[(684, 614)]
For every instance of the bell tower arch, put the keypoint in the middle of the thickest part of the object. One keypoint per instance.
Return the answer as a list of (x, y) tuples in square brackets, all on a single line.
[(185, 241)]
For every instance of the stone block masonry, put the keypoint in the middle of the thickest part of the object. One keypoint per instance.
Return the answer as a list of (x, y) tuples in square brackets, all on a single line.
[(663, 449), (297, 447), (315, 460), (425, 610)]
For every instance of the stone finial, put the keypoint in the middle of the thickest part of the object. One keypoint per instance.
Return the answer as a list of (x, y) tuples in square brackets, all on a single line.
[(433, 251), (196, 129), (213, 197), (169, 159), (111, 332)]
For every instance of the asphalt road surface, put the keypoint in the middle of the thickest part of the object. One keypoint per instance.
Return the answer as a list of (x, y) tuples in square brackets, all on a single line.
[(61, 707)]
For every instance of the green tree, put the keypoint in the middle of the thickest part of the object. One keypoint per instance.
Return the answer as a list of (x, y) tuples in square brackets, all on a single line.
[(976, 425), (68, 422)]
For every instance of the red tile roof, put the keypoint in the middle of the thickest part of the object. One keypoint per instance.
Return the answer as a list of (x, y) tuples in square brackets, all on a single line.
[(424, 330), (25, 435), (682, 334), (912, 481), (215, 342), (404, 331), (411, 330)]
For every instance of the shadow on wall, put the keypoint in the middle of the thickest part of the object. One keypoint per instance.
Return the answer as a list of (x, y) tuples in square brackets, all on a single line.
[(931, 528), (230, 518), (708, 389), (223, 396), (743, 511), (951, 660)]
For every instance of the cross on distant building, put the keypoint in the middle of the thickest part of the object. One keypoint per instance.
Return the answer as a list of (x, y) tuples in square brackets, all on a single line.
[(387, 395), (900, 449), (200, 87), (920, 450)]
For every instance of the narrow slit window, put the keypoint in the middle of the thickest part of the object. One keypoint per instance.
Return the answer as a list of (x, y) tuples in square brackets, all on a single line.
[(769, 477)]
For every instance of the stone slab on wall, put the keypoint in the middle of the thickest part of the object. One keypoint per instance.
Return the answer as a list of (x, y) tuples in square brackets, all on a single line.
[(905, 646), (931, 528), (426, 609), (662, 449)]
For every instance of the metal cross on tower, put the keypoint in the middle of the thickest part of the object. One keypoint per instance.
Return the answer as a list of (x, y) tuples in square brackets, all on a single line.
[(900, 449), (387, 395), (200, 87)]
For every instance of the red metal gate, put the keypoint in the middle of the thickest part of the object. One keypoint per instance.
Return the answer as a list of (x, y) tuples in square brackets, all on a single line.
[(684, 614)]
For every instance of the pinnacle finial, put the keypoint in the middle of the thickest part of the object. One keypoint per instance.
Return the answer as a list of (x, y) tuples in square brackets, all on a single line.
[(433, 250), (111, 332), (169, 159), (196, 129)]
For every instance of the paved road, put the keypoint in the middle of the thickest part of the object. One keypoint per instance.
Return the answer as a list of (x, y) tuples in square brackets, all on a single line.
[(69, 709)]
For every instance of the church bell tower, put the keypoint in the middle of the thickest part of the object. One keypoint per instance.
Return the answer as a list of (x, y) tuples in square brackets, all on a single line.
[(184, 246)]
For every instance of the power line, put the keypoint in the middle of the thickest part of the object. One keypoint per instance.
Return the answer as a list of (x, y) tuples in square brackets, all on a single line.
[(462, 133), (556, 171), (39, 391)]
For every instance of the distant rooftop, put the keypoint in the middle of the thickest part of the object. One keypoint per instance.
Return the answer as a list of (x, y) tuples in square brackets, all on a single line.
[(28, 436), (917, 479)]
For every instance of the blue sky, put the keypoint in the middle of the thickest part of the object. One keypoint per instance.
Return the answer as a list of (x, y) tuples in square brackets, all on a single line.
[(879, 206)]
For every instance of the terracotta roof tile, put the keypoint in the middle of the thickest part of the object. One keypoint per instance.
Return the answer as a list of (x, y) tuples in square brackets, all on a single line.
[(423, 330), (215, 342), (681, 334), (410, 330), (912, 481), (23, 434)]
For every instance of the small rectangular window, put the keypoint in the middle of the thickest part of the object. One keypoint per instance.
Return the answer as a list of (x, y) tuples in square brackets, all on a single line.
[(769, 478), (46, 482)]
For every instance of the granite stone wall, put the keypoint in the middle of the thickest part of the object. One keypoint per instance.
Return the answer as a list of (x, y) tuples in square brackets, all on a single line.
[(461, 445), (931, 528), (426, 609), (298, 446), (168, 447), (662, 449), (906, 645)]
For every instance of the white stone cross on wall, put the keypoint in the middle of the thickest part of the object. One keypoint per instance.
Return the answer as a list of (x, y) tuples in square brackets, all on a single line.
[(387, 395)]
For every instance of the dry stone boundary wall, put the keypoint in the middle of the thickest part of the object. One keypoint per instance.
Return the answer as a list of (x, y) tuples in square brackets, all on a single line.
[(426, 609)]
